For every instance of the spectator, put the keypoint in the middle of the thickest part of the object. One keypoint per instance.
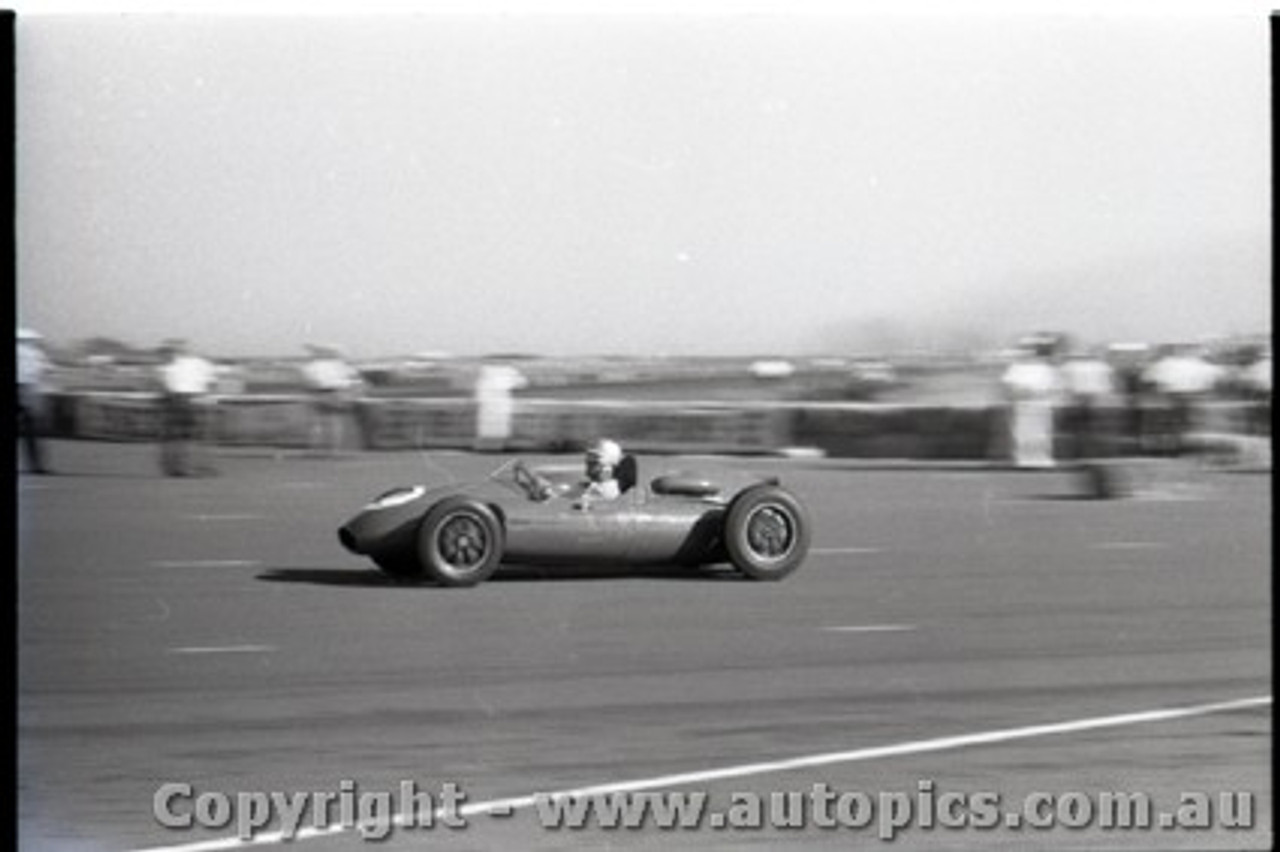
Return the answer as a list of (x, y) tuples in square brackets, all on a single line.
[(1181, 379), (32, 366), (495, 407), (185, 381), (1032, 387), (1129, 362), (1256, 380), (1089, 385), (334, 386)]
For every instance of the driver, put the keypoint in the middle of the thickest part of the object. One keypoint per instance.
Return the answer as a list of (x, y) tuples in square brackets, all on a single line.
[(603, 457)]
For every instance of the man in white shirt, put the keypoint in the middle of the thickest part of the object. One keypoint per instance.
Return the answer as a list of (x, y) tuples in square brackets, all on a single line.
[(1090, 388), (185, 381), (1033, 387), (333, 384), (1183, 379), (495, 405)]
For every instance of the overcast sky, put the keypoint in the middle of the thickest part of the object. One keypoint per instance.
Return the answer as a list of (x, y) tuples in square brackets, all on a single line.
[(679, 184)]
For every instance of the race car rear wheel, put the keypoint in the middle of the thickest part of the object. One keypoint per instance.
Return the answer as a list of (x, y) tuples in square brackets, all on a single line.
[(460, 542), (766, 532)]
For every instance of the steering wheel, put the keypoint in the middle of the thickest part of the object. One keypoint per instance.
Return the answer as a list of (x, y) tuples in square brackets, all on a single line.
[(537, 487)]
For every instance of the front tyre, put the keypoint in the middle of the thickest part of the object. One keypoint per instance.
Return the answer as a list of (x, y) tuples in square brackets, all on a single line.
[(766, 532), (460, 542)]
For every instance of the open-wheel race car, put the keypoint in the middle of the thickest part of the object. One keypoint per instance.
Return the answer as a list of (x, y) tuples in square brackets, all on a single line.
[(458, 534)]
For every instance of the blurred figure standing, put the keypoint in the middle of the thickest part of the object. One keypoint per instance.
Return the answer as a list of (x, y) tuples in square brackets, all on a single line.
[(1090, 388), (1089, 420), (185, 381), (1129, 362), (495, 408), (1032, 387), (32, 365), (334, 385), (1182, 379), (1256, 380)]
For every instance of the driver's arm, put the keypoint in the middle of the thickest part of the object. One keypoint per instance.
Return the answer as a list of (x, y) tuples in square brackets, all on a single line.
[(541, 487), (596, 491)]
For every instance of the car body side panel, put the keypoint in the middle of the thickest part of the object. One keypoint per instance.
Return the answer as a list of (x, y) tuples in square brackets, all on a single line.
[(555, 531), (639, 527), (676, 529)]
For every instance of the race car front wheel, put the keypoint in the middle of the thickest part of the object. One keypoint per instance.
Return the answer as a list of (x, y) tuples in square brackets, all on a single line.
[(460, 542), (766, 532)]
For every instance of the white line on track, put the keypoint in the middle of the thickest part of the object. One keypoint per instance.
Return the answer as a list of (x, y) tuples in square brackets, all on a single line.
[(224, 649), (205, 563), (1128, 545), (871, 628), (224, 517), (824, 551), (812, 761)]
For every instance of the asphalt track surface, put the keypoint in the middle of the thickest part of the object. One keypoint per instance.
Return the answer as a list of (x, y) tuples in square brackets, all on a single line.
[(212, 632)]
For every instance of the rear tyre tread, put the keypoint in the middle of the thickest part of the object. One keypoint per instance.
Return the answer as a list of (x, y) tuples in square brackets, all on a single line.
[(766, 533)]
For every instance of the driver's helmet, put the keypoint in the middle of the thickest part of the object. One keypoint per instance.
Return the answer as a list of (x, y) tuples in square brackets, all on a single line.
[(604, 453)]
